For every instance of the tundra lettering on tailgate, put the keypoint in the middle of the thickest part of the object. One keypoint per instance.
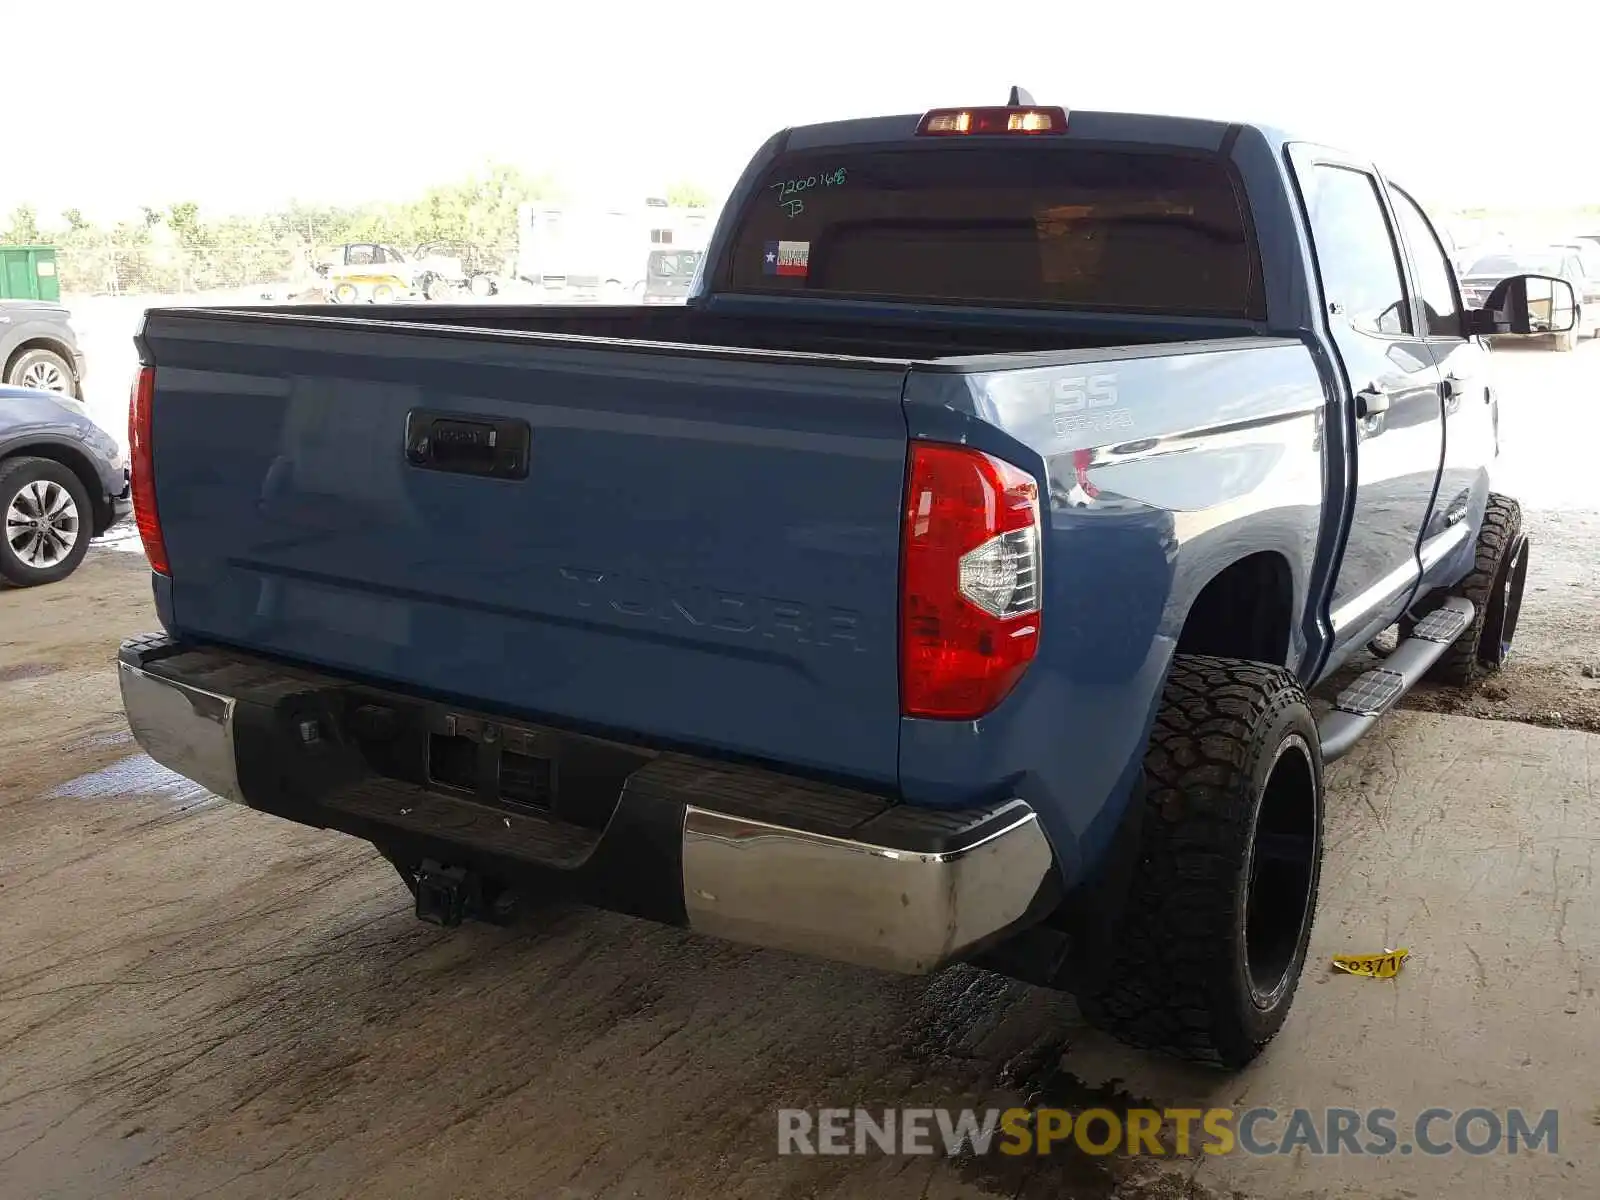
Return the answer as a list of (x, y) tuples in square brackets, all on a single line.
[(645, 599)]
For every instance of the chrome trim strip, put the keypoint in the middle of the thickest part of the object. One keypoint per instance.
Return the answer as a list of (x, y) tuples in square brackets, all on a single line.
[(1372, 597), (185, 729), (1441, 544), (1198, 437), (850, 901)]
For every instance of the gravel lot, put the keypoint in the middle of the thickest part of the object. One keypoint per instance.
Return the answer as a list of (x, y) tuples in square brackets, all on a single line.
[(199, 1000)]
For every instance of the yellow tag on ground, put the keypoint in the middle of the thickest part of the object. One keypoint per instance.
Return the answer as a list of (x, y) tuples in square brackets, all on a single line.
[(1372, 966)]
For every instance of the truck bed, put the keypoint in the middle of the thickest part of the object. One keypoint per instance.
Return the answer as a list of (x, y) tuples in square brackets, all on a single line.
[(931, 336)]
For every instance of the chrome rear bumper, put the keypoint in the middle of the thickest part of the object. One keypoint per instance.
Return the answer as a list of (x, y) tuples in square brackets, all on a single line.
[(907, 890), (186, 729), (852, 901)]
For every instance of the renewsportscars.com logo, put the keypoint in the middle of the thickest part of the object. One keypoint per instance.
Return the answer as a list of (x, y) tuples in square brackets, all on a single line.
[(1172, 1131)]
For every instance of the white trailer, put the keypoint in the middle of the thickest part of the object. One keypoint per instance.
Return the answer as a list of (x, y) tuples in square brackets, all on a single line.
[(601, 250)]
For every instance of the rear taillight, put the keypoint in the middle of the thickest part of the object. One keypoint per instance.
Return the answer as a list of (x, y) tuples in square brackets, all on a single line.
[(970, 581), (142, 472), (959, 122)]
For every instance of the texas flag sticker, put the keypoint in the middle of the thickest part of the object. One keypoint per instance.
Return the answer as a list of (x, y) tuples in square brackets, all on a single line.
[(787, 258)]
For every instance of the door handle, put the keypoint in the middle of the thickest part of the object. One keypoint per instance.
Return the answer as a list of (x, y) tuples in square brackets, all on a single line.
[(1370, 402), (490, 446), (1451, 387)]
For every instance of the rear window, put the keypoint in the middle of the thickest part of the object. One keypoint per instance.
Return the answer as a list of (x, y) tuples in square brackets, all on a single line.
[(1160, 232)]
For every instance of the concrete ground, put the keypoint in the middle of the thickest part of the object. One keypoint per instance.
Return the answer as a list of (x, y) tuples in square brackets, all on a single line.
[(200, 1000)]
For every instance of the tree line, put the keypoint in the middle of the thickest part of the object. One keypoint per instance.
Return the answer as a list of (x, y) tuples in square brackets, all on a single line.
[(178, 247)]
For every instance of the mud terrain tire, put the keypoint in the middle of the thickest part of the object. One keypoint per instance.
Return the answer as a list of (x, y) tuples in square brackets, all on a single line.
[(1207, 951), (1495, 586)]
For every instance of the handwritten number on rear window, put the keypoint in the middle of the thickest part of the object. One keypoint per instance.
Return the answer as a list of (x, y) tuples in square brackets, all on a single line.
[(789, 190)]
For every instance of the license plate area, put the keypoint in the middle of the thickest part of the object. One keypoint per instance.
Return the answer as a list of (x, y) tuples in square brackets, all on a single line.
[(527, 769)]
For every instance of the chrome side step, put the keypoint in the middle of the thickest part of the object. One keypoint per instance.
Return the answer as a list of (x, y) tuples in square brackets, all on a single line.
[(1373, 693)]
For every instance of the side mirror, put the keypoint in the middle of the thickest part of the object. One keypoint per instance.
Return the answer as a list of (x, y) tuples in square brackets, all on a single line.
[(1527, 304)]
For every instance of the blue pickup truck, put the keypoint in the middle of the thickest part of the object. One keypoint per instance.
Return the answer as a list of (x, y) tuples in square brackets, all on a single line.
[(944, 581)]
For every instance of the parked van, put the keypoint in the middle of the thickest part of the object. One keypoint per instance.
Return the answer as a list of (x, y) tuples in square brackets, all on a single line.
[(668, 275)]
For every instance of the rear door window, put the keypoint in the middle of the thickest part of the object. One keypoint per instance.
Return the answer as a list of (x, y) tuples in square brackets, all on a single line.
[(1435, 278), (1356, 253), (1159, 232)]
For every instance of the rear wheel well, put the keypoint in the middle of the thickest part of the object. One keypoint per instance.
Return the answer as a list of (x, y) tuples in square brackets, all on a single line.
[(61, 349), (1245, 612), (80, 466)]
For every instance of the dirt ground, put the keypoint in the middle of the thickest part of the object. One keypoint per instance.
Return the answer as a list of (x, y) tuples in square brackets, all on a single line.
[(1553, 678), (198, 1000)]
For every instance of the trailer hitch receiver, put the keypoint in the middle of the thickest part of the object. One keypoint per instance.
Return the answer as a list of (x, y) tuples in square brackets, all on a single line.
[(447, 895)]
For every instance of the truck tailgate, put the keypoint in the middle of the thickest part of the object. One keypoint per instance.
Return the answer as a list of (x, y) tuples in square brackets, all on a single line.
[(699, 547)]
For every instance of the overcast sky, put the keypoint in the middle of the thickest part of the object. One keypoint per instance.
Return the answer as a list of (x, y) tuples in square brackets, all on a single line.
[(242, 106)]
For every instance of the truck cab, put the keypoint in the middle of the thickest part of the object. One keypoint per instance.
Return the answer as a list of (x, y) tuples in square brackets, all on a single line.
[(1417, 381)]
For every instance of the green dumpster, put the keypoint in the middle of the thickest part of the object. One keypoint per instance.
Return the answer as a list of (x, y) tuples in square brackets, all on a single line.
[(28, 273)]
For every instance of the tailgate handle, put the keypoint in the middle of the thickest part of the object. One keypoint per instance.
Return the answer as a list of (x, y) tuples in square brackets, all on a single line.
[(492, 447)]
